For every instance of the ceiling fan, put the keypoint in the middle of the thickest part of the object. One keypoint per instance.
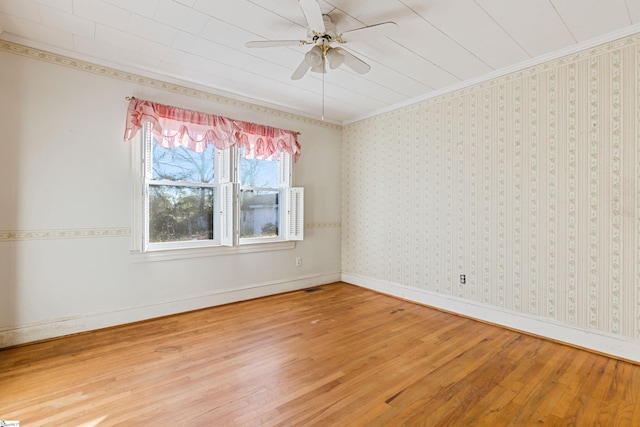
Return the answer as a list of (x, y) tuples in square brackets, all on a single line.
[(322, 34)]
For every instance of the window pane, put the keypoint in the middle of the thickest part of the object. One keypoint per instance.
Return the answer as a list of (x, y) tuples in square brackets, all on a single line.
[(181, 164), (258, 173), (179, 214), (259, 213)]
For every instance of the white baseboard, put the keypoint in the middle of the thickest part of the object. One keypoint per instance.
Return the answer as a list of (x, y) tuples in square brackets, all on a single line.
[(60, 327), (598, 341)]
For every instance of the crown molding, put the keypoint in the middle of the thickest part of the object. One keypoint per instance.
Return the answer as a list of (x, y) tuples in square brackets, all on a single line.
[(596, 46), (149, 79)]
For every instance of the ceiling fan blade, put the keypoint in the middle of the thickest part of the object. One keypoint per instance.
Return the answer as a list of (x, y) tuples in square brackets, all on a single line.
[(301, 70), (313, 14), (378, 30), (353, 62), (275, 43)]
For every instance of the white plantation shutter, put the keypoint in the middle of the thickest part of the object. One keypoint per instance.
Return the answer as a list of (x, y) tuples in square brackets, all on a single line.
[(285, 170), (147, 160), (224, 170), (145, 218), (295, 213), (147, 174), (223, 166), (227, 195)]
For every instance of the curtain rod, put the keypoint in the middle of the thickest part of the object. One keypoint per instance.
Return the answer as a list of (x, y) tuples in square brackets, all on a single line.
[(129, 98)]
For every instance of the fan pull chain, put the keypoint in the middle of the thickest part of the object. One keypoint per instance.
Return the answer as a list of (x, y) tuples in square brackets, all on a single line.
[(324, 71)]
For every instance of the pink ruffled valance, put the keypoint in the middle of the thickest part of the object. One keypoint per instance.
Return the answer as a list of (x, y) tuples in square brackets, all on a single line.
[(174, 127), (265, 142)]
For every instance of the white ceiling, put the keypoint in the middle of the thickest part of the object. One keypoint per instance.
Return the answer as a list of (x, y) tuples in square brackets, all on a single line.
[(439, 44)]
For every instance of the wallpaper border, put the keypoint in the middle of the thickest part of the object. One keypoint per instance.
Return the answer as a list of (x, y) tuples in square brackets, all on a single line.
[(90, 67), (320, 225), (56, 234), (94, 233)]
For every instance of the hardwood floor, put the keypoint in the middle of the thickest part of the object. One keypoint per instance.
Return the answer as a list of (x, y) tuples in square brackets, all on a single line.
[(340, 356)]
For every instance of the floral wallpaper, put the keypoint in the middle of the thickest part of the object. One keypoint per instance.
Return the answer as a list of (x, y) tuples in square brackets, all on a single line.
[(528, 184)]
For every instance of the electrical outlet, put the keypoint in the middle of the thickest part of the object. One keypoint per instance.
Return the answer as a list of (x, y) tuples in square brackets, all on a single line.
[(298, 262), (463, 279)]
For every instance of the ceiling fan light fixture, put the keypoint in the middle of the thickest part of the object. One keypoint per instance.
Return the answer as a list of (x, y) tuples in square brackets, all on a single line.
[(314, 56), (318, 69), (335, 58)]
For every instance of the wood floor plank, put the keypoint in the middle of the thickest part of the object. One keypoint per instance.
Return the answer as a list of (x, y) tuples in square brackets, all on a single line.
[(341, 355)]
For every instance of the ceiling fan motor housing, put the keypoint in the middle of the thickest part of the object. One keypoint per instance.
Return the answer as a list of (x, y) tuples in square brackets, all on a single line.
[(329, 35)]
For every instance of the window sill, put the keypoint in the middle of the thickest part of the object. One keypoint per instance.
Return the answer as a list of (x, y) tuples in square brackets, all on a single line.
[(186, 253)]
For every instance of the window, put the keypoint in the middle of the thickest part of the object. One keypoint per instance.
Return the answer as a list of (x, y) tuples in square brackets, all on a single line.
[(181, 192), (215, 197), (204, 180), (259, 199)]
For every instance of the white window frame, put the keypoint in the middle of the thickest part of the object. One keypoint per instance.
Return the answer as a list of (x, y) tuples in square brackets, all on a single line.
[(226, 220), (284, 184)]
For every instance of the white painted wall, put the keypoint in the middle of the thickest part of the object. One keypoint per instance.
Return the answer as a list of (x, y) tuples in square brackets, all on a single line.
[(65, 189)]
